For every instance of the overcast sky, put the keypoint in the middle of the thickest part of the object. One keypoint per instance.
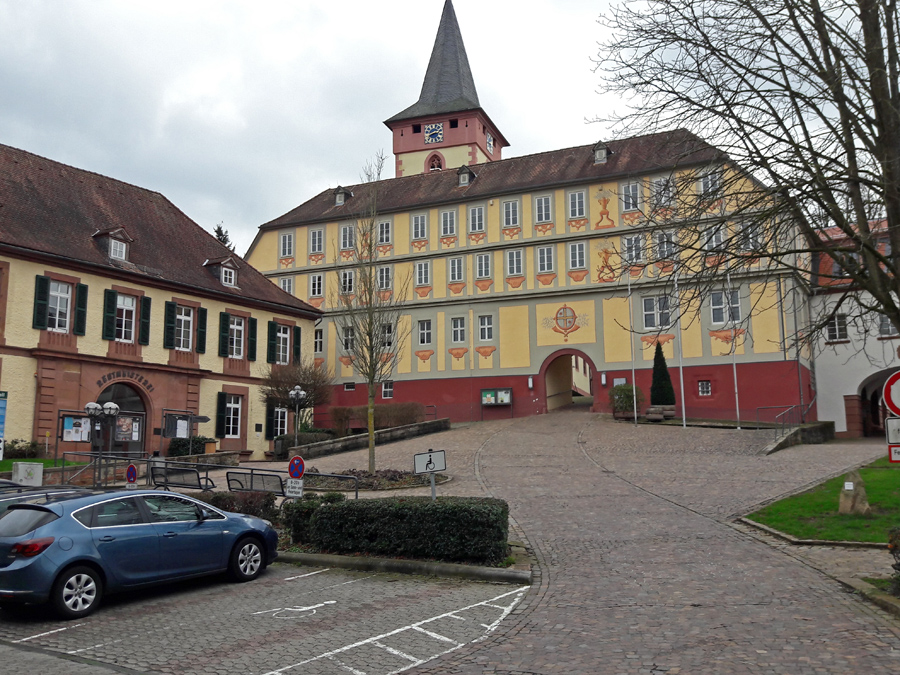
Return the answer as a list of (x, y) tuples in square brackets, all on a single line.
[(238, 111)]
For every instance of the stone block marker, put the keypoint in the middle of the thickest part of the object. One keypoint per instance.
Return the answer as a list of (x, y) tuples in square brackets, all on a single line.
[(853, 496)]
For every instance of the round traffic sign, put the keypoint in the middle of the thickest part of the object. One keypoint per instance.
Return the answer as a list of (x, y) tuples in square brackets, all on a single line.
[(296, 467), (891, 393), (131, 473)]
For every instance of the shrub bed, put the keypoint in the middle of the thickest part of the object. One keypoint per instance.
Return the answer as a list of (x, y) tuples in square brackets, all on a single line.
[(297, 515), (181, 447), (452, 529), (387, 415), (259, 504)]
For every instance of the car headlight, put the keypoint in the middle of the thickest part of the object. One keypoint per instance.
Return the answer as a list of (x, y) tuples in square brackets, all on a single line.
[(267, 522)]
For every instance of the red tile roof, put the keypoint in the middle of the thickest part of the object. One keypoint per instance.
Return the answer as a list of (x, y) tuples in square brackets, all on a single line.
[(53, 209), (558, 168)]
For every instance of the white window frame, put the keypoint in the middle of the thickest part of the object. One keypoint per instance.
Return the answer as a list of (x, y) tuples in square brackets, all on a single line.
[(425, 331), (228, 276), (577, 255), (384, 232), (485, 328), (545, 255), (633, 249), (286, 245), (631, 196), (704, 388), (423, 273), (455, 273), (385, 280), (318, 340), (719, 312), (387, 336), (476, 219), (316, 241), (349, 339), (715, 239), (387, 389), (125, 317), (316, 285), (711, 184), (543, 210), (665, 245), (118, 250), (662, 192), (348, 282), (885, 327), (511, 214), (348, 237), (282, 345), (233, 416), (236, 337), (751, 236), (483, 266), (287, 284), (184, 328), (420, 227), (657, 311), (448, 223), (458, 330), (59, 306), (836, 328), (279, 421), (514, 262), (576, 204)]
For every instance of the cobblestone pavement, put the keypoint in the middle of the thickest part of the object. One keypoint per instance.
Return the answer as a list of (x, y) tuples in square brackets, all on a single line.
[(292, 620)]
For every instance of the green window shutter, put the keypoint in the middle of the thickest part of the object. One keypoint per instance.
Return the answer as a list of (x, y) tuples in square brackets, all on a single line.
[(251, 340), (41, 302), (297, 341), (224, 324), (270, 346), (270, 421), (220, 414), (201, 331), (110, 298), (81, 299), (144, 332), (169, 326)]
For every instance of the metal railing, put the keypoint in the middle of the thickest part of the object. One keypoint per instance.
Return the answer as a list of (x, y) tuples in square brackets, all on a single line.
[(282, 473), (790, 417)]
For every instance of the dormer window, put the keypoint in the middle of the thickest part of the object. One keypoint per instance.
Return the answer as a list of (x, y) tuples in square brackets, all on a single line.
[(339, 199), (229, 276), (466, 176), (117, 249), (341, 195), (601, 153)]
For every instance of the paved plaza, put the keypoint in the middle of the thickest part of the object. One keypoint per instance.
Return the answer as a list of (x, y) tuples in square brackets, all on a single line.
[(640, 570)]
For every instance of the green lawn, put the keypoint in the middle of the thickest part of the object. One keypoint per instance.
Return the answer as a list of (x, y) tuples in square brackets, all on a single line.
[(6, 464), (814, 514)]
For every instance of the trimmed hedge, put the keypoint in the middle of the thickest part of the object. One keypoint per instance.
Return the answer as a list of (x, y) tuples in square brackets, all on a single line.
[(259, 504), (387, 416), (180, 447), (453, 529), (297, 515)]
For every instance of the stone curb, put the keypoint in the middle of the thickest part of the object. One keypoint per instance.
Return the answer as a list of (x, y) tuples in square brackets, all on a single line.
[(811, 542), (436, 569), (887, 602)]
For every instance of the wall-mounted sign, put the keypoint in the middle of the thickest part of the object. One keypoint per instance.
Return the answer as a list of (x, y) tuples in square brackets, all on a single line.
[(502, 396), (76, 429), (128, 428), (125, 374)]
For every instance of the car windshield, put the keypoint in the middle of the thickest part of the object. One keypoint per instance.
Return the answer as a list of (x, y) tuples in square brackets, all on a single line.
[(22, 518)]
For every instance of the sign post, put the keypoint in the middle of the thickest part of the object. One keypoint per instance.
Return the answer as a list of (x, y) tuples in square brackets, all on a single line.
[(430, 462), (293, 486), (891, 397), (131, 477)]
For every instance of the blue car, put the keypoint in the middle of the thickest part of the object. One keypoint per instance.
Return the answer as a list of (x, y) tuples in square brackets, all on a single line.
[(73, 549)]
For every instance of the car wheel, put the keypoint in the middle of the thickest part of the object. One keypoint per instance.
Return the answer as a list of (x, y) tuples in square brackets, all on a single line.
[(77, 592), (247, 560)]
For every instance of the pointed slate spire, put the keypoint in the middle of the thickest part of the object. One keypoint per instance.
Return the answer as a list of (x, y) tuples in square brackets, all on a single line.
[(448, 85)]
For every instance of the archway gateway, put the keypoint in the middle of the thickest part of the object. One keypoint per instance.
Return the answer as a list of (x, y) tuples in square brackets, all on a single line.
[(130, 432), (566, 374)]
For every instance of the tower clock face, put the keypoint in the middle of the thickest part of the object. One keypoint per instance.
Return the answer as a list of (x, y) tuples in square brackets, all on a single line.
[(434, 133), (490, 144)]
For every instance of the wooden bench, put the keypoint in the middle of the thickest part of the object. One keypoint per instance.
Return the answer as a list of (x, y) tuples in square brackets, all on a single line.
[(170, 476), (247, 481)]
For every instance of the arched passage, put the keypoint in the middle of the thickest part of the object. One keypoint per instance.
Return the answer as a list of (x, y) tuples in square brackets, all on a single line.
[(565, 374), (130, 435), (865, 412)]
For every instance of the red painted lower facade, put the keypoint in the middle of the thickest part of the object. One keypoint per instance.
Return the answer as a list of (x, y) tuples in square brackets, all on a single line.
[(760, 385)]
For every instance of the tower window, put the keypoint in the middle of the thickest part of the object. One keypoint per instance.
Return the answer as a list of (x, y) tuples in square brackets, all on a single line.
[(454, 124), (435, 164), (417, 128)]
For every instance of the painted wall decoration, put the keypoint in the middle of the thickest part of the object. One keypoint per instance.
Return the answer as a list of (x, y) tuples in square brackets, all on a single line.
[(605, 221), (605, 270), (561, 324)]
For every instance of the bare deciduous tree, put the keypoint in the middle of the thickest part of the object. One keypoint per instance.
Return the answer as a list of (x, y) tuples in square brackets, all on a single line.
[(368, 300), (277, 383)]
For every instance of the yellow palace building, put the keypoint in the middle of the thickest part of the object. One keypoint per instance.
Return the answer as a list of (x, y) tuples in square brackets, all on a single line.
[(533, 276)]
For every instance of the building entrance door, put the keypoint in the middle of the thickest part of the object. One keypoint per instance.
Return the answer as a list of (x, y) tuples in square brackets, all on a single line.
[(130, 433)]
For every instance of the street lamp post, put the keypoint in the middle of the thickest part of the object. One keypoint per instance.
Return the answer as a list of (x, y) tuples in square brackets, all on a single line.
[(101, 416), (297, 395)]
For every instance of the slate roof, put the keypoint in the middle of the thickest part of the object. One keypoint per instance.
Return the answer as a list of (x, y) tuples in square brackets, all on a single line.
[(558, 168), (51, 209), (448, 86)]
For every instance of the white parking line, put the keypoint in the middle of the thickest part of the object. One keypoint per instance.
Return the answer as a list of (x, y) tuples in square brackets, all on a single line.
[(85, 649), (435, 635), (396, 652), (49, 632), (414, 626), (346, 667), (307, 575)]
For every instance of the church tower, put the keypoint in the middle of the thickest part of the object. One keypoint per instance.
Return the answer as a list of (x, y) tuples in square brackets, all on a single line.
[(446, 128)]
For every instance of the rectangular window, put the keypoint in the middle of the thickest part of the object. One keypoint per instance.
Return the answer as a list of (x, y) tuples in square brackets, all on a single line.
[(315, 285), (318, 341), (287, 284), (448, 223), (58, 308), (287, 245), (347, 282), (125, 306), (349, 386), (458, 329), (425, 332), (714, 239), (384, 232), (476, 219), (576, 205), (232, 416), (349, 339), (384, 278), (280, 421), (885, 327), (514, 263), (545, 259), (665, 245), (117, 249), (704, 388), (483, 265), (631, 193), (387, 336), (228, 276), (836, 328), (387, 390), (316, 241), (184, 328), (725, 306), (662, 192), (656, 312), (282, 345), (236, 337), (510, 214), (348, 237), (485, 328), (423, 273), (420, 229), (750, 237), (456, 269), (634, 249), (577, 255), (542, 210), (710, 184)]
